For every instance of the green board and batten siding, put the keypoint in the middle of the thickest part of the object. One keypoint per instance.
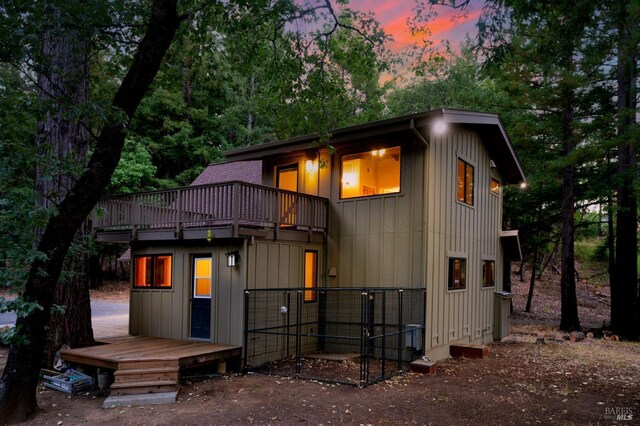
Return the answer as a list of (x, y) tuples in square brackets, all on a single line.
[(166, 312), (458, 230), (378, 240)]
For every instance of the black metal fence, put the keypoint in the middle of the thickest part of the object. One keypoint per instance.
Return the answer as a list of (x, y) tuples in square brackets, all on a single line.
[(355, 336)]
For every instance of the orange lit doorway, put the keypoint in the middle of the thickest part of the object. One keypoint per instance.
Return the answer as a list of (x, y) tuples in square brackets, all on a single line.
[(287, 179)]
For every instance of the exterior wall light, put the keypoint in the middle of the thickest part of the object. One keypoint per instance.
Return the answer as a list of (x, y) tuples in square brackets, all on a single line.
[(311, 166), (439, 127), (233, 258)]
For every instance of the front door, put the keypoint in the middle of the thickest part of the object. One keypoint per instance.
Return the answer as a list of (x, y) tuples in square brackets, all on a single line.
[(287, 180), (201, 298)]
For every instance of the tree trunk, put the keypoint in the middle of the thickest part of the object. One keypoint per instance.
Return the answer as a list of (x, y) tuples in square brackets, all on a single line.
[(73, 327), (551, 256), (20, 377), (624, 286), (63, 82), (534, 265), (568, 301)]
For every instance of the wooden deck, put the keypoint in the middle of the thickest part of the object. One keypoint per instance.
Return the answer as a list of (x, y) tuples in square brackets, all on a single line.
[(149, 364), (223, 210)]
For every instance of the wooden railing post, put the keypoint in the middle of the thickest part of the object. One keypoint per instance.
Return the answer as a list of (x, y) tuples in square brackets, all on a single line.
[(235, 196), (178, 213), (135, 215)]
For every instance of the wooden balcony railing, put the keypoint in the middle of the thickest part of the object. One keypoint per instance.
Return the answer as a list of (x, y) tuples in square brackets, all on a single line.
[(227, 204)]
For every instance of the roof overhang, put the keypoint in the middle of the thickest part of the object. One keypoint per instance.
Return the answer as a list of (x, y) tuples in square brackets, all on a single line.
[(489, 126), (511, 245)]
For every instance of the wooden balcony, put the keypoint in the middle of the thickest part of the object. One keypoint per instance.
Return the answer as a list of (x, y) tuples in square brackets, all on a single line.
[(226, 210)]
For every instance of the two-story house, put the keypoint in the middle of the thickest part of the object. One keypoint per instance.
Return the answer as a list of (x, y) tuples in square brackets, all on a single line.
[(411, 202)]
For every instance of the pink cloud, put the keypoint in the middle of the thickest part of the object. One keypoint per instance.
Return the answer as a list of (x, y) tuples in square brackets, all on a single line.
[(393, 15)]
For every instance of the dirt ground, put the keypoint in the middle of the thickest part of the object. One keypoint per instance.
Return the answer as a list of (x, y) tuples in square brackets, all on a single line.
[(535, 377)]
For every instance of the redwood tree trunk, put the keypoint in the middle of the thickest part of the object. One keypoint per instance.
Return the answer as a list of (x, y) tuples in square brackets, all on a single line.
[(568, 301), (63, 82), (20, 377), (624, 285)]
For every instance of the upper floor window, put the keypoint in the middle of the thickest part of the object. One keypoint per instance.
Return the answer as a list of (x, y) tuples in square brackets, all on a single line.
[(495, 186), (152, 271), (457, 273), (370, 173), (465, 182)]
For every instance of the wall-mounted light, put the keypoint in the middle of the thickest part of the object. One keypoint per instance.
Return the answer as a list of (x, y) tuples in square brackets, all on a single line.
[(439, 127), (311, 166), (233, 258)]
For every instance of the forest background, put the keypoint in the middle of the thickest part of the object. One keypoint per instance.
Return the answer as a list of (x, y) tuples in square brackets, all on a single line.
[(116, 97)]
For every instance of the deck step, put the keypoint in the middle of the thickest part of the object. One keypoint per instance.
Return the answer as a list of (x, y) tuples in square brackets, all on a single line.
[(469, 351), (147, 364), (153, 374), (144, 386)]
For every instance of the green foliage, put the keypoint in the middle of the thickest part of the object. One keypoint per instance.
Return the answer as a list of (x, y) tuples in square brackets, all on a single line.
[(240, 74), (448, 79), (135, 170)]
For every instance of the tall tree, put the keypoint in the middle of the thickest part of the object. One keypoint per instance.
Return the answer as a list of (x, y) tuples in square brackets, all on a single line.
[(20, 376), (63, 139), (625, 306)]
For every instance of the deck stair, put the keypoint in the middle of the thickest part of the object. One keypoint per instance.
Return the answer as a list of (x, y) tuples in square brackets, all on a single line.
[(144, 365), (149, 377)]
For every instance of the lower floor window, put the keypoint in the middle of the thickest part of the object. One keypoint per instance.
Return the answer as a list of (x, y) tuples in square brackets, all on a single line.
[(310, 275), (457, 273), (488, 273), (152, 271)]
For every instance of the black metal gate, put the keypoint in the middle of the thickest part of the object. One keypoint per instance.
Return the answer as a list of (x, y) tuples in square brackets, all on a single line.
[(352, 336)]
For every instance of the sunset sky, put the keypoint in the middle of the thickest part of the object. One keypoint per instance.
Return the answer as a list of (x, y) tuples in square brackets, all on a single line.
[(392, 14)]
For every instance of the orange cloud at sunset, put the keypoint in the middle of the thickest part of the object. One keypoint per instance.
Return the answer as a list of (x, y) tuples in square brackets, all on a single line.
[(393, 16)]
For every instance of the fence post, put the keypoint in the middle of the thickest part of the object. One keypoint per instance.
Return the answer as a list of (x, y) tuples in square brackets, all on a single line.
[(246, 330), (364, 335), (288, 293), (401, 335), (298, 331), (384, 332)]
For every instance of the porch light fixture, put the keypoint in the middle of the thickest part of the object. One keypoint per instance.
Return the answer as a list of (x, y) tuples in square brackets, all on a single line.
[(311, 166), (439, 127), (233, 258)]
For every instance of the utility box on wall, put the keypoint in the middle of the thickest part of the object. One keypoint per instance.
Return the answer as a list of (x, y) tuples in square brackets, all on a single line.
[(413, 336), (502, 315)]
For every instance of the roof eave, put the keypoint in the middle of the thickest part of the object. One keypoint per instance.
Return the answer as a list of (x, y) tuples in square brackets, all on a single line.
[(509, 164)]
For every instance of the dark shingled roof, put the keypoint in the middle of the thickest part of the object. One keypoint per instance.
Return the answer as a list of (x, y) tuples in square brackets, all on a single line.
[(243, 171)]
